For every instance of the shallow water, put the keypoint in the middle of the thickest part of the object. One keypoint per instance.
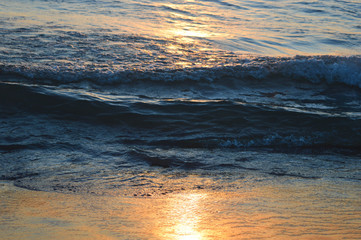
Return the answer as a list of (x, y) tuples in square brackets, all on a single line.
[(300, 210)]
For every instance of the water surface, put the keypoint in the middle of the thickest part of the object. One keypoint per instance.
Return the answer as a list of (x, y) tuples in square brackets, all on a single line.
[(182, 101)]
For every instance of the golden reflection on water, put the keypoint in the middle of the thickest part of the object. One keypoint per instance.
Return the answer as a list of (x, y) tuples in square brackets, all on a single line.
[(186, 31), (184, 214), (269, 212)]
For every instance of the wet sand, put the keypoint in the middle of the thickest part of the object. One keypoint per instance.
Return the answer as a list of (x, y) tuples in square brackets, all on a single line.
[(298, 211)]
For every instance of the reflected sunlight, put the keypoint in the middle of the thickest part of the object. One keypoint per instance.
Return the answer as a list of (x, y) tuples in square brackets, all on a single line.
[(184, 214), (268, 212), (187, 32)]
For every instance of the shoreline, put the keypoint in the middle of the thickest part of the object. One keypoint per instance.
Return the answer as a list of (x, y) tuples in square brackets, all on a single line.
[(302, 211)]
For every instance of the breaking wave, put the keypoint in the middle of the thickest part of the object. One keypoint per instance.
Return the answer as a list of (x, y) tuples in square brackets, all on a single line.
[(314, 69)]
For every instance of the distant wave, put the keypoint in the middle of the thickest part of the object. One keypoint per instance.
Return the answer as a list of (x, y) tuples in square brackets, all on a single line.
[(314, 69)]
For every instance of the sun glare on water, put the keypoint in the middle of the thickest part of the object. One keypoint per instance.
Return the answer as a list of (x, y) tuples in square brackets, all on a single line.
[(184, 215), (188, 33)]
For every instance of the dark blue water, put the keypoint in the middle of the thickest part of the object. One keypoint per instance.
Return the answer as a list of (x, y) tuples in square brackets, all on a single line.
[(130, 136), (100, 100)]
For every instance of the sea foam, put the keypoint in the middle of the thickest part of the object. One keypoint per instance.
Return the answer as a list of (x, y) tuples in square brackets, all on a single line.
[(314, 69)]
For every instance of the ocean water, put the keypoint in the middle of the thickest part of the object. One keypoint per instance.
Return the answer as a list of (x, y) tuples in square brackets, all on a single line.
[(139, 98)]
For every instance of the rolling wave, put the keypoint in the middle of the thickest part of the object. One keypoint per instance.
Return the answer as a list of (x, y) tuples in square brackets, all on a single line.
[(192, 123), (313, 69)]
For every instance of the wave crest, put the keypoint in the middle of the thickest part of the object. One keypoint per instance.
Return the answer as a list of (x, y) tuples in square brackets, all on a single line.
[(314, 69)]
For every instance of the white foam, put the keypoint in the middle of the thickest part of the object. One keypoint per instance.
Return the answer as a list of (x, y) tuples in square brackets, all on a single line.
[(314, 69)]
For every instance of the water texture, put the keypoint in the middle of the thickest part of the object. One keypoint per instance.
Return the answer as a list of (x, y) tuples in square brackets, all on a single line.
[(140, 97)]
